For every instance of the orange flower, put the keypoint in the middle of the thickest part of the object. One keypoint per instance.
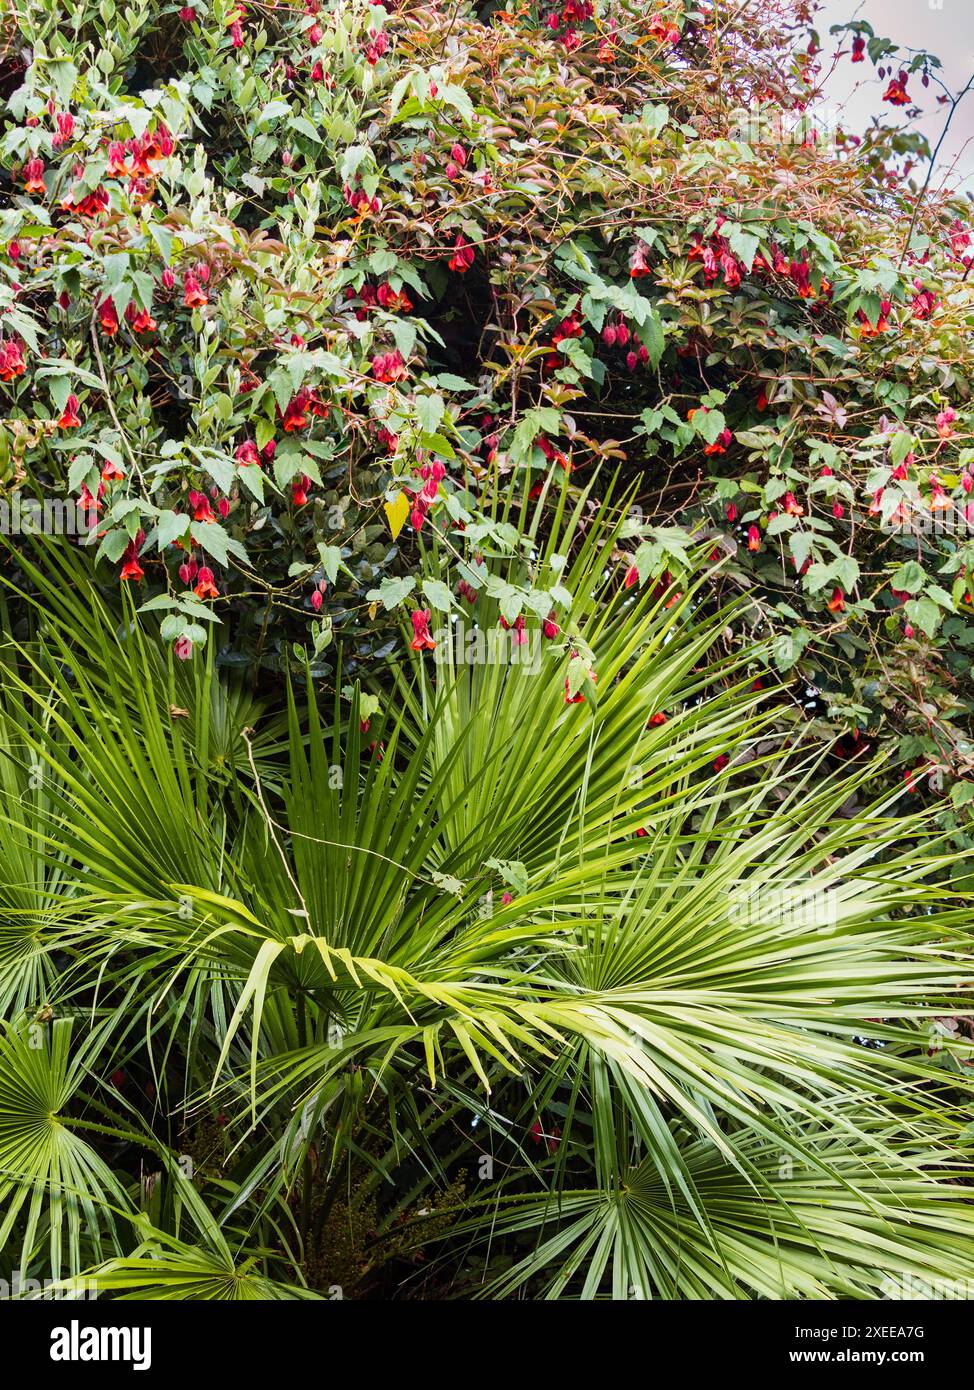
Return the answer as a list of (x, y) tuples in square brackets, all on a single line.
[(194, 296), (205, 587), (34, 182)]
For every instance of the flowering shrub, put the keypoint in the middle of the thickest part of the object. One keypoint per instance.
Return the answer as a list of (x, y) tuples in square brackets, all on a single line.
[(346, 331), (302, 304)]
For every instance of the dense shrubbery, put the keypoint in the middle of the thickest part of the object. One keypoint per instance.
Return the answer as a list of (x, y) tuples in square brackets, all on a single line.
[(348, 326), (287, 293)]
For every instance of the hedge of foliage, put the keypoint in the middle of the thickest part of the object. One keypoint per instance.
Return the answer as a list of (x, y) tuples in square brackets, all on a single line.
[(289, 291)]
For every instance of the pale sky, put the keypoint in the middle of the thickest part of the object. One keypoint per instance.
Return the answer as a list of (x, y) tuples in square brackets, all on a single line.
[(942, 27)]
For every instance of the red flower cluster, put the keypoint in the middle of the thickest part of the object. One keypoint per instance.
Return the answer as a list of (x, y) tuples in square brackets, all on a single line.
[(432, 475), (11, 359), (389, 367), (377, 45), (716, 257)]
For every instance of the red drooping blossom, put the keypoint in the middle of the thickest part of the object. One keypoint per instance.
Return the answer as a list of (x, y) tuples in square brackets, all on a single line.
[(859, 49), (945, 421), (422, 637), (200, 503), (205, 586), (194, 296), (296, 415), (870, 330), (299, 489), (896, 93), (518, 635), (69, 416), (389, 366), (939, 500), (378, 44), (108, 317), (131, 569), (638, 264), (11, 359), (395, 301), (65, 129), (924, 302), (89, 204), (463, 255), (720, 444), (246, 454), (112, 472), (664, 30), (117, 167), (34, 176)]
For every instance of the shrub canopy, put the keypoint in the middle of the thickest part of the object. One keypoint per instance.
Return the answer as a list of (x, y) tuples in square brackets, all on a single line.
[(306, 303)]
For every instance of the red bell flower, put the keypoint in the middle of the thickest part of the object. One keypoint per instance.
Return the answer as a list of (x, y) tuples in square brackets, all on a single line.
[(396, 301), (131, 569), (896, 93), (463, 255), (246, 453), (143, 322), (108, 317), (34, 176), (638, 264), (422, 637), (194, 296), (299, 489), (924, 304), (945, 422), (389, 366), (69, 416), (205, 587), (11, 360), (720, 444), (296, 414), (65, 129)]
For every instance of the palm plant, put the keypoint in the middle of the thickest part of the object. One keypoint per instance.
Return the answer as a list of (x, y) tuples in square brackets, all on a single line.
[(579, 1001)]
